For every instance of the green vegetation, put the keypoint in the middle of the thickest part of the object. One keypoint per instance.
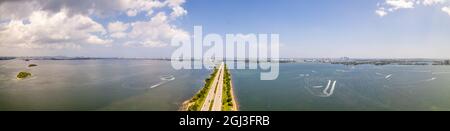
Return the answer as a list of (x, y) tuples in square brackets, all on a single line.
[(23, 75), (32, 65), (228, 102), (227, 99), (197, 101)]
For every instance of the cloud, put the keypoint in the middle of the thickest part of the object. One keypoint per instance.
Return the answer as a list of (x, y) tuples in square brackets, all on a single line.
[(102, 8), (117, 29), (86, 7), (432, 2), (178, 11), (132, 12), (399, 4), (381, 12), (154, 33), (92, 39), (389, 6), (8, 9), (71, 23), (43, 29), (446, 10), (133, 7)]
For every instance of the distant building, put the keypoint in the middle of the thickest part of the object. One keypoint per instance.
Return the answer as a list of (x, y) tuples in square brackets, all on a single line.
[(447, 62), (345, 59)]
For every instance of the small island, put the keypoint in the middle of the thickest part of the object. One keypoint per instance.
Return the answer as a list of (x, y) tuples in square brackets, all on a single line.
[(23, 75), (32, 65)]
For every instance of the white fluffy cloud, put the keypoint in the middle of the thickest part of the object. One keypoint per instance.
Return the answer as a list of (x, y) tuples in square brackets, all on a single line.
[(399, 4), (117, 29), (71, 23), (43, 29), (393, 5), (432, 2), (154, 33), (8, 8), (133, 7), (132, 12), (446, 10), (381, 12), (178, 11)]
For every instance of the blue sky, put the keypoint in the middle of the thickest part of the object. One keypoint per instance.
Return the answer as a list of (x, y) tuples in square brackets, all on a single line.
[(307, 28), (325, 28)]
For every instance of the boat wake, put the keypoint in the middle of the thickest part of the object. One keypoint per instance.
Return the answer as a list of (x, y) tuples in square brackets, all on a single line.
[(411, 83), (343, 71), (431, 79), (164, 79), (327, 91), (388, 77), (317, 86)]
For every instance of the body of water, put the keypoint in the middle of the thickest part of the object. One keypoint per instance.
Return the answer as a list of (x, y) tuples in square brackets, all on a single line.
[(97, 85), (363, 87), (155, 85)]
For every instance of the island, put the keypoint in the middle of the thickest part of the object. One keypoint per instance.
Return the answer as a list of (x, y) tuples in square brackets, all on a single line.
[(32, 65), (23, 75), (6, 58)]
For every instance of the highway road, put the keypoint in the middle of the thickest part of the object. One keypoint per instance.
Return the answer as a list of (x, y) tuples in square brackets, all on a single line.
[(217, 105), (211, 93)]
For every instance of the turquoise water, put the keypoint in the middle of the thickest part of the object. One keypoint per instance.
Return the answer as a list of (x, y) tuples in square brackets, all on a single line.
[(364, 87), (97, 85), (154, 85)]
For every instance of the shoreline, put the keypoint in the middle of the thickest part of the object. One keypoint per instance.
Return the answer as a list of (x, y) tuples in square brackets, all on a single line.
[(188, 103), (185, 106), (233, 96)]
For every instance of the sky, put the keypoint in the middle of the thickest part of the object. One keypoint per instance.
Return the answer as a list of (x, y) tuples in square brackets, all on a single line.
[(307, 28)]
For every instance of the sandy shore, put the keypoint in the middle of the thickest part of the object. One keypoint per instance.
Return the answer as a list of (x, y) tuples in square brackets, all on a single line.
[(235, 104)]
